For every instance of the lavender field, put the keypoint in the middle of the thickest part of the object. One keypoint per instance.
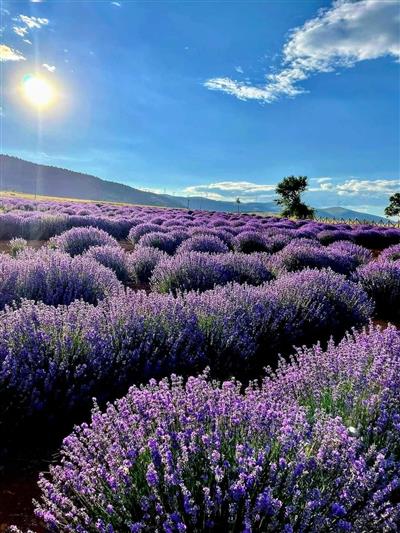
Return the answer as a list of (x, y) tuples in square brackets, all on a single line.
[(173, 370)]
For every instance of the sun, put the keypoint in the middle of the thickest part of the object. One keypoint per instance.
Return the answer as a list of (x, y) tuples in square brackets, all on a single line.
[(37, 91)]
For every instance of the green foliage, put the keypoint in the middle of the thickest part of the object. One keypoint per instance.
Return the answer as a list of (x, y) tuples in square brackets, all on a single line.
[(393, 209), (289, 191)]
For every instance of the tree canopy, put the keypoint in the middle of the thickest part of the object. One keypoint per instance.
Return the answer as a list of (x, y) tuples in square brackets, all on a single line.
[(393, 209), (289, 191)]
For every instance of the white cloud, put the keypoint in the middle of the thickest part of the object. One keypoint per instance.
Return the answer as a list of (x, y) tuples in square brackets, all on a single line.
[(239, 69), (228, 190), (341, 36), (9, 54), (33, 22), (50, 68), (27, 41), (20, 30), (355, 187), (117, 4)]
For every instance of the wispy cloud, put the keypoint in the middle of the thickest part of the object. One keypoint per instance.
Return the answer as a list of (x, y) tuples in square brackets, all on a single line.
[(33, 22), (354, 187), (338, 37), (29, 23), (226, 190), (50, 68), (20, 30), (322, 192), (117, 4), (9, 54)]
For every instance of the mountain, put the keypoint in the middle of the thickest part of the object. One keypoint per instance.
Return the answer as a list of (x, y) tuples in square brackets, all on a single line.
[(348, 214), (23, 176), (201, 202)]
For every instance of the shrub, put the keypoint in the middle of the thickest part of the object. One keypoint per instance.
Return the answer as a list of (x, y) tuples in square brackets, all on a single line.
[(245, 268), (392, 236), (54, 360), (203, 243), (322, 303), (220, 233), (326, 237), (370, 238), (392, 253), (161, 241), (250, 241), (381, 281), (55, 278), (17, 245), (142, 263), (185, 272), (237, 320), (112, 257), (303, 253), (138, 231), (77, 240), (353, 254), (312, 449), (202, 271)]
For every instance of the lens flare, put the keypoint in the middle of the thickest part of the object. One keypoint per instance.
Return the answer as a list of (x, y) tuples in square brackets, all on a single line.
[(37, 91)]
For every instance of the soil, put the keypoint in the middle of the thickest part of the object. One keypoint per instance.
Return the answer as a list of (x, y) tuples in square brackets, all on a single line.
[(18, 487)]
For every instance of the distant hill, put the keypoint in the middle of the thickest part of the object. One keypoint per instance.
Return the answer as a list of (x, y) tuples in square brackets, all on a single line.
[(348, 214), (25, 177), (22, 176), (201, 202)]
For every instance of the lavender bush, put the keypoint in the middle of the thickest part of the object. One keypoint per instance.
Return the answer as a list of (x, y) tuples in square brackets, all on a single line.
[(166, 242), (190, 271), (54, 360), (305, 253), (381, 281), (314, 448), (250, 241), (354, 255), (202, 271), (203, 243), (322, 303), (392, 253), (77, 240), (142, 229), (112, 257), (54, 278), (142, 263)]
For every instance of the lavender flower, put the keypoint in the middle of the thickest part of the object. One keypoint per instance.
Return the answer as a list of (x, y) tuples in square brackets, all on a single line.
[(202, 455), (77, 240)]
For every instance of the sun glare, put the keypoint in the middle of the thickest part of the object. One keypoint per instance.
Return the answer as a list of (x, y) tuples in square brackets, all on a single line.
[(37, 91)]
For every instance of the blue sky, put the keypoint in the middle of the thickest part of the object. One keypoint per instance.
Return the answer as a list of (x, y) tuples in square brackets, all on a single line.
[(216, 98)]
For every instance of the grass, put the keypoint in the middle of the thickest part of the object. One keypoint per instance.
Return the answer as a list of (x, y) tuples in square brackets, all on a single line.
[(40, 197)]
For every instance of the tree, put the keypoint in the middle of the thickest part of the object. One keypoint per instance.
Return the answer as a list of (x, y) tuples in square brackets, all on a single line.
[(393, 209), (238, 204), (289, 191)]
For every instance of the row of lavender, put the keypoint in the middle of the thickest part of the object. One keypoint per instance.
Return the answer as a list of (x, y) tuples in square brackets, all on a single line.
[(42, 220), (89, 264), (314, 448)]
